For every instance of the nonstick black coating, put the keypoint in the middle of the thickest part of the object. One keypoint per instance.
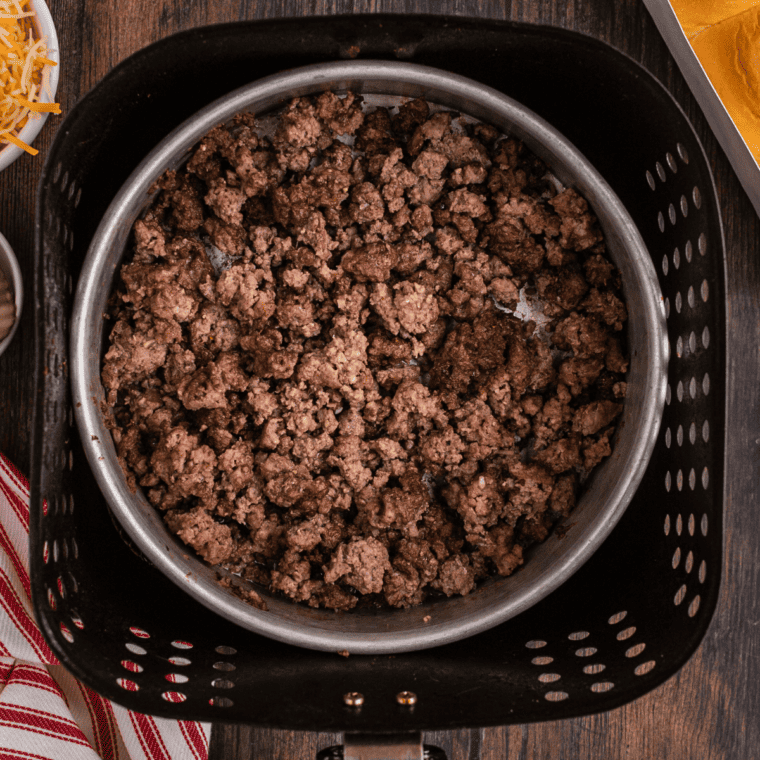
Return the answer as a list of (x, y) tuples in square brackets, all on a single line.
[(627, 124)]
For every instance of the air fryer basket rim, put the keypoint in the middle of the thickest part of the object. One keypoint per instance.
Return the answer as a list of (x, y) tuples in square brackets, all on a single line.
[(581, 84)]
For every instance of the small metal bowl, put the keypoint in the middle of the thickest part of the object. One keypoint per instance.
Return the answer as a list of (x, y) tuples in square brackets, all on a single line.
[(608, 491), (12, 273)]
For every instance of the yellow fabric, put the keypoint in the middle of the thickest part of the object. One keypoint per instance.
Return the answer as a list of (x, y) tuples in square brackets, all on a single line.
[(725, 35)]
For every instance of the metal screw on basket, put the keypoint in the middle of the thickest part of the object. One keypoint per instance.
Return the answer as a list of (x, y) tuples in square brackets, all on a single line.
[(353, 699), (408, 698)]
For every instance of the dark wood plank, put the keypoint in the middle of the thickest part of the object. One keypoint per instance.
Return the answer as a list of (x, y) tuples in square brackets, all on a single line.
[(711, 709), (267, 744)]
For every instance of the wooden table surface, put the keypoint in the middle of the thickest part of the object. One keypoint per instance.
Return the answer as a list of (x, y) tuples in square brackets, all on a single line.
[(711, 708)]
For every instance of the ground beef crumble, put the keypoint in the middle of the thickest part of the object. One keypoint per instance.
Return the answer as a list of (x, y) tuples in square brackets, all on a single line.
[(348, 411)]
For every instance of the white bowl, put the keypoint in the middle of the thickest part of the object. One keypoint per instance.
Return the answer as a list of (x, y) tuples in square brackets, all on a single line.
[(43, 27), (10, 268)]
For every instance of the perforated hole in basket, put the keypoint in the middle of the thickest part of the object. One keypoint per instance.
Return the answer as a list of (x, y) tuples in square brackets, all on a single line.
[(686, 427), (589, 658), (173, 696), (180, 675)]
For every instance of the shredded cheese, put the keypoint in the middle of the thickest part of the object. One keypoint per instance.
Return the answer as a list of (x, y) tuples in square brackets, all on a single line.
[(24, 72)]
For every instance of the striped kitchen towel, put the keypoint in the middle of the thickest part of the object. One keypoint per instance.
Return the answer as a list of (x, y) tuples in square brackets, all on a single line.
[(45, 713)]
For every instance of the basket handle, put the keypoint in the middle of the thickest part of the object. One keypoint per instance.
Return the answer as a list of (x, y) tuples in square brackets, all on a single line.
[(402, 746)]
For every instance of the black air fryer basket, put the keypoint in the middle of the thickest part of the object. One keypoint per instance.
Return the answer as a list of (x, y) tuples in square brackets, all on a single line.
[(627, 621)]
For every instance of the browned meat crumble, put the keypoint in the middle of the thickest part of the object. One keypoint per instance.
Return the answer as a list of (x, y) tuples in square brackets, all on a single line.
[(350, 411)]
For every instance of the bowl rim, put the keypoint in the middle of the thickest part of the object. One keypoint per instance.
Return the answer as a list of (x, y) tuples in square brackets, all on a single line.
[(45, 27), (189, 573), (10, 267)]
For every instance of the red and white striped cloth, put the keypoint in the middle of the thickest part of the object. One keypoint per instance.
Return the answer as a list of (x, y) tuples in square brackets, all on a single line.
[(45, 713)]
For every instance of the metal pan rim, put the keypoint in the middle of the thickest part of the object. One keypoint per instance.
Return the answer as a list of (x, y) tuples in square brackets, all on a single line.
[(396, 630)]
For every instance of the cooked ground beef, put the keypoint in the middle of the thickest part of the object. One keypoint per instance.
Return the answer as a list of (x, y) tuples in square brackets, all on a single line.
[(348, 409)]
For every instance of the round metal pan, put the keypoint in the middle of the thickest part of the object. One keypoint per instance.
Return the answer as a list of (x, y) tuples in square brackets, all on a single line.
[(607, 492)]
